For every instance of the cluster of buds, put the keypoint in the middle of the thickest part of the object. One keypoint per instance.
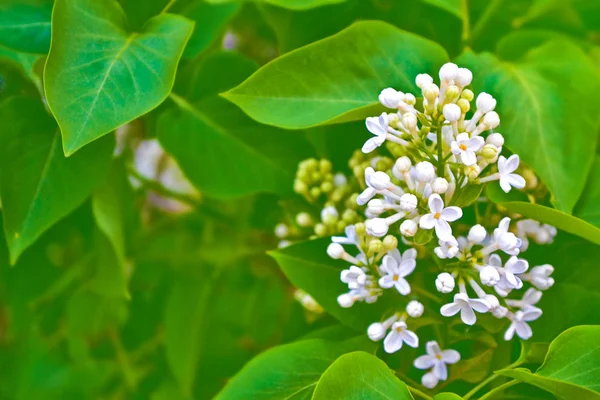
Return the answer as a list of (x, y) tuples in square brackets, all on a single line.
[(443, 151)]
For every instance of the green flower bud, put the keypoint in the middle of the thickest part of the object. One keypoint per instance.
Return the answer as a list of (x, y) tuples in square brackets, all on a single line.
[(489, 152), (315, 192), (464, 105), (304, 219), (325, 166), (468, 95), (341, 225), (376, 246), (349, 216), (320, 230), (300, 187), (326, 187), (316, 176), (451, 93), (312, 164), (360, 229), (531, 180), (390, 242)]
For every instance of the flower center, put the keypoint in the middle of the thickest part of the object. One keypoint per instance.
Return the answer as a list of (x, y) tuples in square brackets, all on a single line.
[(436, 215), (396, 278), (462, 146), (438, 356)]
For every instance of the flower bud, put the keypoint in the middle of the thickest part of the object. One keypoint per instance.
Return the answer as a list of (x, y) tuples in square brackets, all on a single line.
[(403, 164), (325, 166), (408, 228), (463, 77), (495, 139), (431, 93), (451, 93), (335, 250), (410, 99), (376, 206), (489, 275), (345, 300), (409, 120), (472, 172), (444, 283), (439, 185), (489, 152), (452, 112), (376, 331), (415, 309), (408, 202), (485, 103), (320, 230), (315, 192), (477, 234), (281, 231), (360, 229), (304, 219), (492, 300), (425, 171), (300, 187), (464, 105), (423, 80), (448, 71), (531, 180), (329, 214), (390, 242), (379, 180), (349, 216), (390, 97), (491, 119), (376, 246), (467, 95), (376, 227)]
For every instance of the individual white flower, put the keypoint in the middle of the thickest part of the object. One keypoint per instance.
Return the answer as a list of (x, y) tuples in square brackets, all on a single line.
[(390, 97), (415, 309), (355, 277), (378, 126), (485, 103), (519, 323), (506, 167), (477, 234), (408, 228), (504, 240), (304, 219), (377, 331), (403, 164), (437, 360), (429, 380), (466, 147), (530, 298), (489, 275), (350, 238), (395, 272), (445, 283), (540, 276), (447, 249), (281, 230), (335, 250), (465, 305), (398, 336), (378, 182), (508, 275), (347, 300), (439, 217)]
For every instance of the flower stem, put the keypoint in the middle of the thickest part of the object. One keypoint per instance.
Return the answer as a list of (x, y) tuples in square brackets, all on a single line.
[(417, 392), (440, 150), (466, 31), (488, 380), (499, 389)]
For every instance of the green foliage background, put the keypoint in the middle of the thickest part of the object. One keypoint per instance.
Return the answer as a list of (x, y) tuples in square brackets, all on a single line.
[(104, 297)]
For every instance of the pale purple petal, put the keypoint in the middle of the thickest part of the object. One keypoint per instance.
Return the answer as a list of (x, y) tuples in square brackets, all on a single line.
[(392, 342), (440, 370), (479, 305), (516, 181), (424, 362), (495, 261), (510, 332), (451, 214), (389, 265), (523, 330), (387, 281), (436, 204), (450, 309), (455, 149), (433, 348), (502, 165), (402, 286), (409, 254), (467, 315), (410, 338), (474, 144), (531, 313), (365, 196), (450, 356), (407, 267), (516, 265), (511, 164), (372, 144), (467, 157), (443, 230), (427, 221), (375, 127)]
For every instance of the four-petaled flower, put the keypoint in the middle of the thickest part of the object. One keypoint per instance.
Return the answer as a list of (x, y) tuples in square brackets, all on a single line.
[(395, 272), (465, 305), (378, 126), (519, 323), (399, 335), (437, 359), (439, 217), (466, 147), (506, 167)]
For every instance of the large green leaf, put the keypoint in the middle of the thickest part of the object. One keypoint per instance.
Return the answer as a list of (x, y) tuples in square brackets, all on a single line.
[(291, 4), (559, 219), (98, 76), (570, 370), (452, 6), (545, 121), (25, 27), (220, 149), (289, 371), (588, 207), (360, 376), (331, 78), (38, 185), (308, 267)]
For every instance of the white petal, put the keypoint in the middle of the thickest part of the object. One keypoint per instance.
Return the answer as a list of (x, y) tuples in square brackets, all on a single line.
[(455, 149), (450, 356), (502, 165), (443, 230), (440, 371), (510, 332), (511, 164), (531, 314), (433, 348), (467, 157), (475, 144), (467, 315), (365, 196), (523, 330), (409, 254), (424, 362), (504, 184), (392, 342), (436, 204), (495, 260), (395, 254), (374, 127), (407, 267), (410, 338), (402, 286), (479, 305), (372, 144), (427, 221), (451, 214), (387, 281), (450, 309), (516, 181)]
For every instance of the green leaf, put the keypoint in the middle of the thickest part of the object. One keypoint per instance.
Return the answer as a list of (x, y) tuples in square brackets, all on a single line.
[(570, 370), (447, 396), (38, 185), (26, 27), (291, 4), (98, 76), (290, 371), (360, 376), (467, 196), (334, 77), (543, 120), (210, 21), (588, 207), (222, 151), (452, 6), (308, 267), (559, 219)]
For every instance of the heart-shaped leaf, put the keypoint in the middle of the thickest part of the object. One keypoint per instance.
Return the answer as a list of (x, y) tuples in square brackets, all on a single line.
[(545, 121), (333, 79), (25, 27), (98, 76), (38, 185), (291, 4), (570, 370), (360, 376)]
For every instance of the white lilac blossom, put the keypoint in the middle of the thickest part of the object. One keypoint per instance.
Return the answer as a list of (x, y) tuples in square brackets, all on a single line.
[(436, 360), (438, 152)]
